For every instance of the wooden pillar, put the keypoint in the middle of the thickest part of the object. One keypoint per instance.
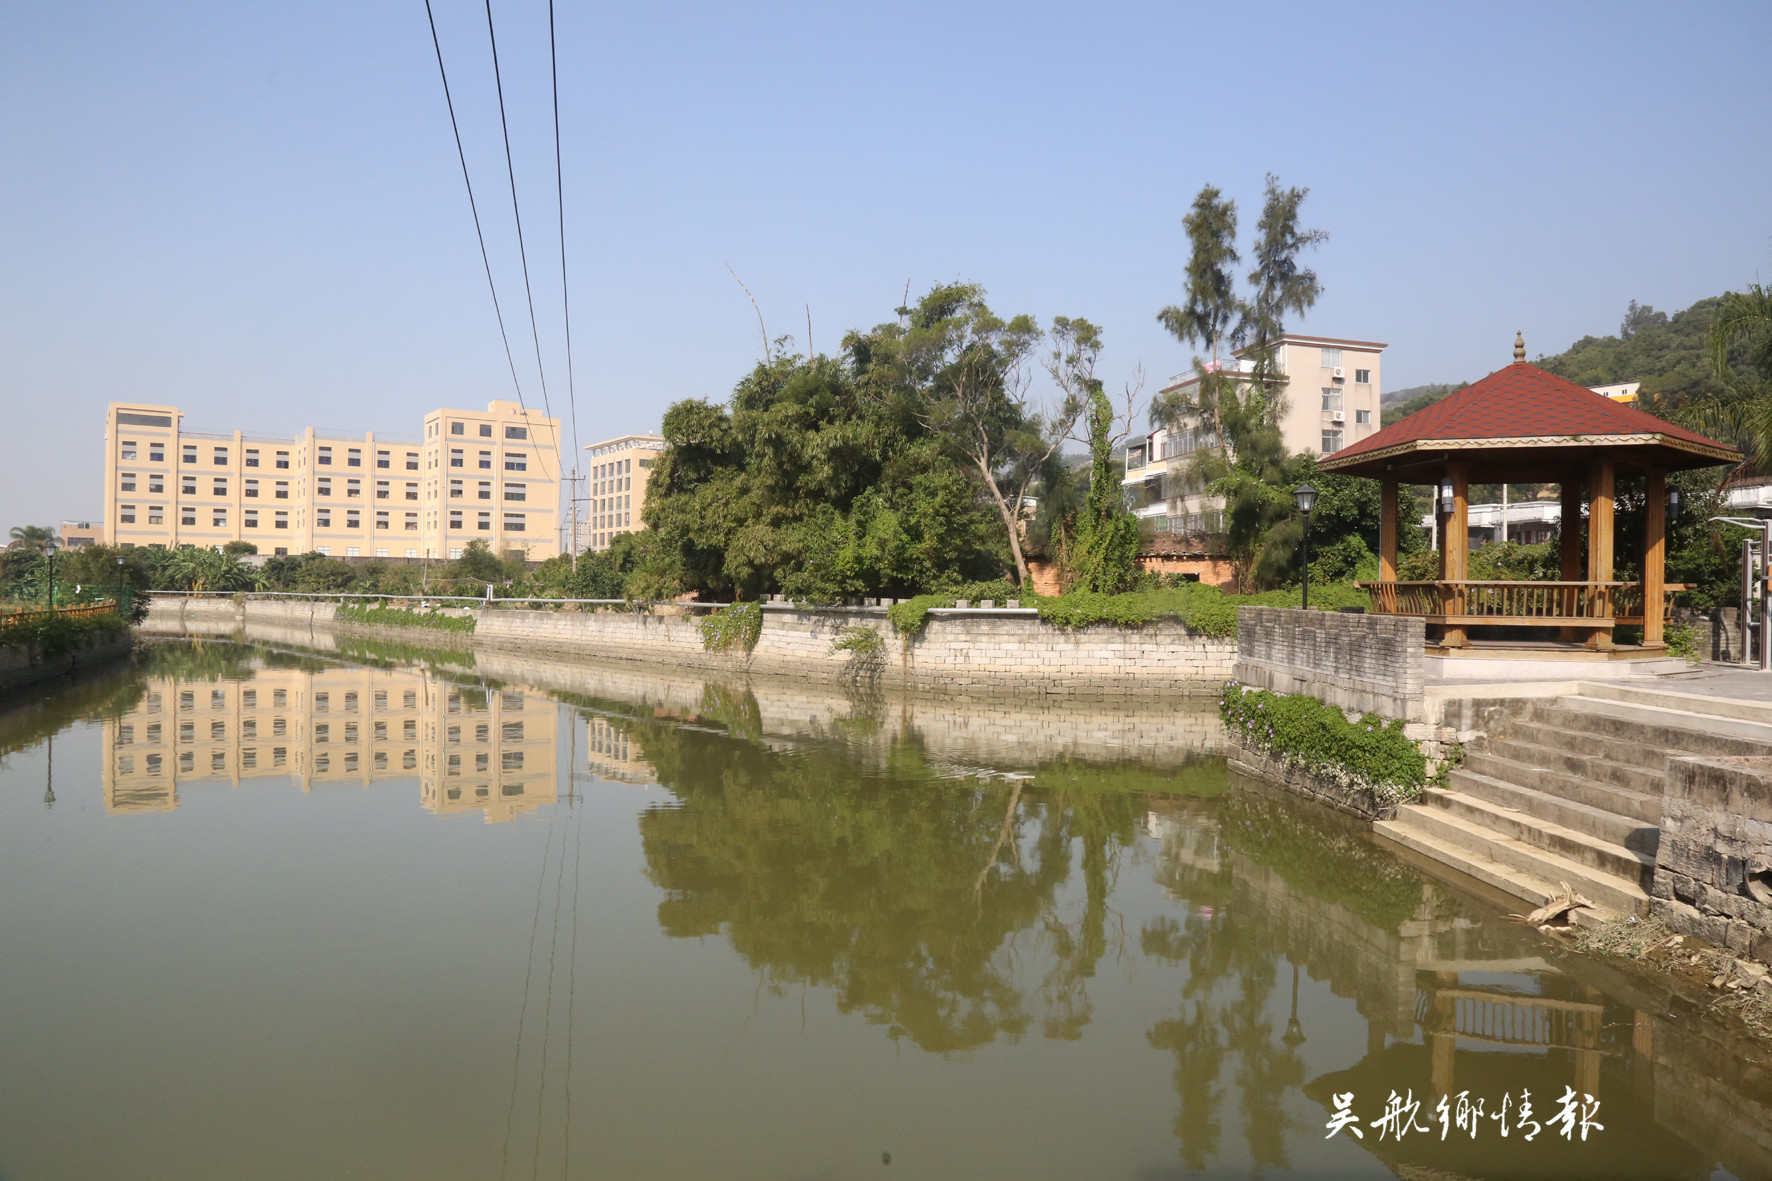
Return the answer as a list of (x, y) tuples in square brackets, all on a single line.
[(1654, 555), (1455, 561), (1599, 545), (1387, 530)]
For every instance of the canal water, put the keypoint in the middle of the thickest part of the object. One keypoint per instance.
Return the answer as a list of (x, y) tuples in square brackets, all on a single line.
[(272, 911)]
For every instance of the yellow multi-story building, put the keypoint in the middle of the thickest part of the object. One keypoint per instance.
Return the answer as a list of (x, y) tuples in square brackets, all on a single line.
[(612, 753), (484, 750), (491, 475), (615, 487)]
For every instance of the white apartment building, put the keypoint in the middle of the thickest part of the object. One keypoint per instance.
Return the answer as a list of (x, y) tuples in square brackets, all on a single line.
[(615, 488), (1330, 399)]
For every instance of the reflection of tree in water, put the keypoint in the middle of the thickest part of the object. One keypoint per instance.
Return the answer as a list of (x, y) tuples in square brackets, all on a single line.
[(911, 897)]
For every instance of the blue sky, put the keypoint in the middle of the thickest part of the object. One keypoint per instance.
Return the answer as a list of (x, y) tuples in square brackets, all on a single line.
[(255, 212)]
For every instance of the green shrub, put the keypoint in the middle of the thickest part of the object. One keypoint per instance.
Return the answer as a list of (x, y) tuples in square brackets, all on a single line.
[(57, 634), (1682, 641), (1373, 753), (400, 617), (859, 639), (736, 626)]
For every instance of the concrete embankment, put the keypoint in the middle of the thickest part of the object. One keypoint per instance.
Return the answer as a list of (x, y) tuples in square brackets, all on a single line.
[(1010, 651), (23, 664)]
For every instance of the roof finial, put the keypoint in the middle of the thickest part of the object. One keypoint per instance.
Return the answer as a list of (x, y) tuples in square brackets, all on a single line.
[(1519, 348)]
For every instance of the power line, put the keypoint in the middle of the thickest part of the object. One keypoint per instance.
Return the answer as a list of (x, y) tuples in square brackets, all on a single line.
[(560, 200), (478, 233), (516, 213)]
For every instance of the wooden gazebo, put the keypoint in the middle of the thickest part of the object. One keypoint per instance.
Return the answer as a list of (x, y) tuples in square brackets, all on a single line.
[(1523, 425)]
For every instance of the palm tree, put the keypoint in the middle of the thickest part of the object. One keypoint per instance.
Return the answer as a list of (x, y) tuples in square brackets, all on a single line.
[(1743, 410), (37, 537)]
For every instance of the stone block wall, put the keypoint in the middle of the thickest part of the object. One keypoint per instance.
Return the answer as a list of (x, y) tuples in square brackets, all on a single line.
[(1364, 663), (1713, 868)]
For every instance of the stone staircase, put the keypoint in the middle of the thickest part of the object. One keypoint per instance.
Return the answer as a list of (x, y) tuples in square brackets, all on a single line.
[(1570, 791)]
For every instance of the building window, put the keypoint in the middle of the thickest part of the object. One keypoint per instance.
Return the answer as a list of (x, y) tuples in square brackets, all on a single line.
[(251, 518), (384, 459), (486, 522), (128, 450), (485, 461), (515, 492), (513, 522), (1331, 358), (458, 428), (127, 481), (154, 515), (354, 457), (1363, 377), (381, 518), (188, 486), (455, 459), (221, 457), (381, 490), (485, 489), (353, 519), (323, 518), (354, 489), (282, 489), (156, 453), (455, 489), (156, 482), (412, 490), (455, 520), (189, 453), (516, 432), (323, 486), (282, 459), (221, 487), (187, 516), (323, 456), (412, 461), (412, 522), (282, 519), (411, 553), (1331, 442), (1331, 399), (252, 457), (516, 463), (219, 518), (252, 489), (1363, 417), (455, 551), (486, 430), (126, 513)]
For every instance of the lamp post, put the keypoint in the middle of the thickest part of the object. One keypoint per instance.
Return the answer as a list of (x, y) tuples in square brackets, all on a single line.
[(49, 548), (1294, 1035), (1307, 500)]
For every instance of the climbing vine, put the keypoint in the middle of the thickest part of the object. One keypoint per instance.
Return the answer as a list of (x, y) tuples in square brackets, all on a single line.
[(736, 626)]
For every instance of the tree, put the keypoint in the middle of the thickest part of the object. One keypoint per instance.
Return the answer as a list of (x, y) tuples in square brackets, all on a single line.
[(1104, 554), (1738, 347), (1212, 306), (1281, 285), (37, 537)]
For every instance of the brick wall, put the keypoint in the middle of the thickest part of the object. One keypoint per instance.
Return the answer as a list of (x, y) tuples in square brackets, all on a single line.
[(1369, 663)]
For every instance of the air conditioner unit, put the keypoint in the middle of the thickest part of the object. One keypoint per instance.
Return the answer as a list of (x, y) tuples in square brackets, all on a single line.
[(1340, 373), (1338, 416)]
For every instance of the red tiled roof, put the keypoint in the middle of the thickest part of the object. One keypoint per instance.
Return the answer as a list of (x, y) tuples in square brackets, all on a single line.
[(1519, 402)]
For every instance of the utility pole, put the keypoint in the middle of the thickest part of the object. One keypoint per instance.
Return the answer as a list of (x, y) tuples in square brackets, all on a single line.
[(572, 499)]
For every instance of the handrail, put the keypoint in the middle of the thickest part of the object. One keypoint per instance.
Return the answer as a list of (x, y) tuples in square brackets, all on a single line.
[(480, 599), (1471, 600), (85, 610)]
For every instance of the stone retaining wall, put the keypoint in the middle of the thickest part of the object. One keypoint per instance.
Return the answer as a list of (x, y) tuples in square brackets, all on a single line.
[(22, 665), (1713, 867), (1365, 663)]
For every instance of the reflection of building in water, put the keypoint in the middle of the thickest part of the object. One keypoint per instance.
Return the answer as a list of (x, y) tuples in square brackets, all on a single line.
[(470, 749), (614, 754)]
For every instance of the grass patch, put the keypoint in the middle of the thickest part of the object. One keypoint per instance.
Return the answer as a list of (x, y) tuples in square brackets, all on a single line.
[(1203, 609), (400, 617)]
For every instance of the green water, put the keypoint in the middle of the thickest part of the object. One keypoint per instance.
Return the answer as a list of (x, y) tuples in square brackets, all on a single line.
[(278, 913)]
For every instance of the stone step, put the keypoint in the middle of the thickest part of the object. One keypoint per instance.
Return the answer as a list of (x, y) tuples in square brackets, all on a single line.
[(1670, 729), (1609, 797), (1597, 853), (1596, 766), (1641, 755), (1505, 862), (1635, 832), (1666, 695)]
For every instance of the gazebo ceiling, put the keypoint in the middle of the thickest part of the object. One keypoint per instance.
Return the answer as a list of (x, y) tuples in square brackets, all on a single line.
[(1525, 425)]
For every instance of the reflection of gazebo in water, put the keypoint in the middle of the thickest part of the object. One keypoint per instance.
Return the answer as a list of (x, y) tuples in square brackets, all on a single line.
[(1523, 425)]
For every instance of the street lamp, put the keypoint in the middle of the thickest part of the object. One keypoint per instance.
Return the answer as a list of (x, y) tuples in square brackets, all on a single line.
[(1673, 504), (49, 548), (1307, 500), (1294, 1035)]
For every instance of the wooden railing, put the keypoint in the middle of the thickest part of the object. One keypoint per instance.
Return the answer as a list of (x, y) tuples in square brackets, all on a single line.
[(1472, 602), (18, 618)]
